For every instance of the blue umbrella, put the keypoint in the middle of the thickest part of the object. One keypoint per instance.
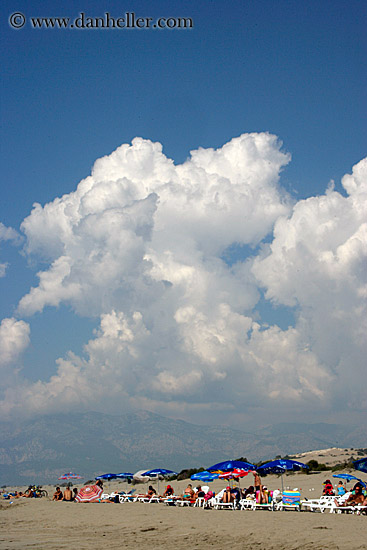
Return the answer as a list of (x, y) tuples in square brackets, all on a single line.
[(159, 472), (231, 465), (361, 464), (204, 476), (280, 466), (125, 476), (106, 476), (349, 477)]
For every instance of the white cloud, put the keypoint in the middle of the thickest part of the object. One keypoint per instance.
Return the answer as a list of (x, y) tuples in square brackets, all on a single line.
[(318, 262), (139, 244), (14, 339), (8, 234)]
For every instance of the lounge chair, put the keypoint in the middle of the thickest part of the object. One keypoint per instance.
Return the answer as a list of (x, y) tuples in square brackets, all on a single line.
[(216, 502), (291, 500), (321, 504), (247, 503)]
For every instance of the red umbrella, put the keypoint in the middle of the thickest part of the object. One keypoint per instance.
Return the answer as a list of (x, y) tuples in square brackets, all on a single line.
[(89, 493), (226, 475), (238, 472)]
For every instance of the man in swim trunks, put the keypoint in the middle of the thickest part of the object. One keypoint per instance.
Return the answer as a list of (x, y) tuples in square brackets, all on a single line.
[(257, 481)]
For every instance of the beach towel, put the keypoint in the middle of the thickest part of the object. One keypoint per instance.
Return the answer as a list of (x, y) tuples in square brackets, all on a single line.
[(291, 498)]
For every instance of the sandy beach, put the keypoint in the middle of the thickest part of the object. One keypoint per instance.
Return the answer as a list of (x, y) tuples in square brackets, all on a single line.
[(43, 524)]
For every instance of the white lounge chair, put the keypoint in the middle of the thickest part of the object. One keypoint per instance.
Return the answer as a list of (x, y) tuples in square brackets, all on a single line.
[(291, 500)]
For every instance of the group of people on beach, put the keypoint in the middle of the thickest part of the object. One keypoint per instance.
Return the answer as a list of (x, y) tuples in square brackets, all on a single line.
[(68, 495), (356, 497), (232, 494)]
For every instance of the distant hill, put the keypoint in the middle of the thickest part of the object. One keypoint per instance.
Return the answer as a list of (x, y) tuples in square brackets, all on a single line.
[(41, 449)]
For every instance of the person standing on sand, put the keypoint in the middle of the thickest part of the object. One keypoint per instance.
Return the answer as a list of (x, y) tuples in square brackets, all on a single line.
[(257, 481)]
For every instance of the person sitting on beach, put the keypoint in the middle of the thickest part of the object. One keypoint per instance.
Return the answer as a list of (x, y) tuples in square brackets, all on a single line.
[(227, 495), (75, 492), (250, 491), (68, 495), (262, 495), (199, 492), (151, 492), (168, 491), (189, 492), (236, 492), (58, 494), (353, 499), (328, 488), (30, 492), (340, 489)]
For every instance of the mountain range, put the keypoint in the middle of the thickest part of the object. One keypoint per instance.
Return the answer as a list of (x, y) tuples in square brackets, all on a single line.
[(42, 449)]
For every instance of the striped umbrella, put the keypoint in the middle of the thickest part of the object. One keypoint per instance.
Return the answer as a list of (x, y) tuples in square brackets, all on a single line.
[(89, 493), (71, 475)]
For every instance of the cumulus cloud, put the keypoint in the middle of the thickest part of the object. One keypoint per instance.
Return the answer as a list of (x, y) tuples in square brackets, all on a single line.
[(14, 338), (8, 234), (140, 244)]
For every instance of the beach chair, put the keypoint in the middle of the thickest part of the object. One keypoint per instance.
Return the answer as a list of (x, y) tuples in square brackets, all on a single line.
[(246, 503), (186, 502), (321, 504), (218, 505), (291, 500)]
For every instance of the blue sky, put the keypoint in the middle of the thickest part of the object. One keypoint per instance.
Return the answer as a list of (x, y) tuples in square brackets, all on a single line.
[(69, 97)]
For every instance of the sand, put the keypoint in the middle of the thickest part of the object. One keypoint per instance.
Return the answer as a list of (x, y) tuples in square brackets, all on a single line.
[(42, 524)]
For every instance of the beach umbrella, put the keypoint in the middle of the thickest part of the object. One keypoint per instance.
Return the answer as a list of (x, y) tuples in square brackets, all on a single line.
[(234, 474), (106, 477), (125, 476), (239, 472), (70, 475), (281, 466), (349, 477), (159, 472), (230, 465), (89, 493), (361, 464), (204, 476)]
